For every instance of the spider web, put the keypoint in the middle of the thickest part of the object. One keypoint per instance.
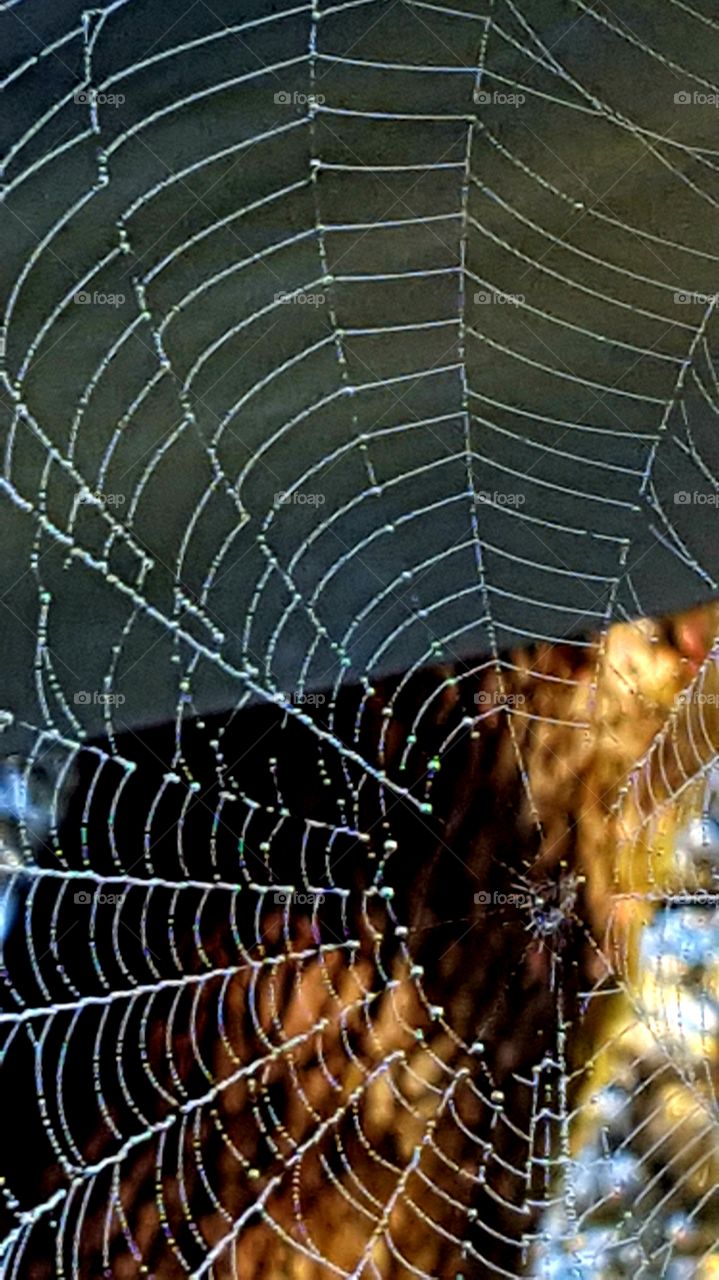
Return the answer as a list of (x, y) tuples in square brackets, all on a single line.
[(344, 340)]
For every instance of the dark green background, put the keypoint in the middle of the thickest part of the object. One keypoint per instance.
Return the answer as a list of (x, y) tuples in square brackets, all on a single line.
[(568, 392)]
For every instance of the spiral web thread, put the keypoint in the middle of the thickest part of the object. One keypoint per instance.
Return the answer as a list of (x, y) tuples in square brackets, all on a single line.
[(159, 996)]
